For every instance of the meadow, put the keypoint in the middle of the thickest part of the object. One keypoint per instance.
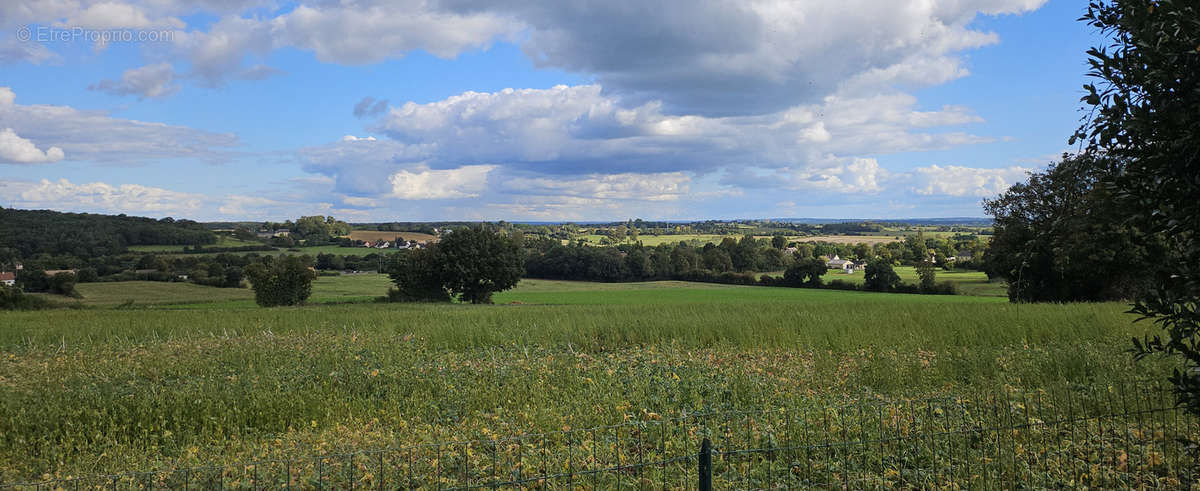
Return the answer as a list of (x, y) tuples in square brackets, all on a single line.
[(106, 390)]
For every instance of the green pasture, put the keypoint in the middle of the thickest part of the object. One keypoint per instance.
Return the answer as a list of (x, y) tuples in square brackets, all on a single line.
[(974, 283), (222, 241)]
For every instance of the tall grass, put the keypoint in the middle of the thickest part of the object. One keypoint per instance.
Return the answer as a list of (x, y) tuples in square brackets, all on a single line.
[(100, 391)]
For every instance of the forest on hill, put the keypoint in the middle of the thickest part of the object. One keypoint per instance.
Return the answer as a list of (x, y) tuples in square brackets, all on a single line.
[(24, 233)]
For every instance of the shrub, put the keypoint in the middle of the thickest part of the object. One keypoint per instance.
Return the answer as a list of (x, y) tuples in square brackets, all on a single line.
[(286, 281)]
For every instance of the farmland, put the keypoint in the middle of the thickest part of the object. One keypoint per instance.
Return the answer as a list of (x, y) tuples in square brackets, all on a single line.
[(225, 382), (375, 235)]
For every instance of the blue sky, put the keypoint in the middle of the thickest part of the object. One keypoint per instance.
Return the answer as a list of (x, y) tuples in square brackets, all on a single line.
[(532, 110)]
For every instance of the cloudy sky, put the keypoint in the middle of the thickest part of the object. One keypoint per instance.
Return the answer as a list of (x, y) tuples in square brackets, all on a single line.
[(532, 109)]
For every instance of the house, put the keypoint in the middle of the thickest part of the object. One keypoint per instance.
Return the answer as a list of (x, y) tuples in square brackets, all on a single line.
[(283, 232), (8, 279), (367, 245), (839, 263), (383, 245)]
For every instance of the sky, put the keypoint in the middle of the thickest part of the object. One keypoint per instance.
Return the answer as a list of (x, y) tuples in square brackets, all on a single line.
[(535, 110)]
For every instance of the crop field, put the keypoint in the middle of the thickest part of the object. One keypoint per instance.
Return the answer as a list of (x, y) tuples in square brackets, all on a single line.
[(107, 390), (375, 235), (848, 239)]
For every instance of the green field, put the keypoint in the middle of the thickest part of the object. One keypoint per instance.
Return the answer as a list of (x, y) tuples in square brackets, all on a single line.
[(106, 390), (222, 241), (969, 282), (326, 289)]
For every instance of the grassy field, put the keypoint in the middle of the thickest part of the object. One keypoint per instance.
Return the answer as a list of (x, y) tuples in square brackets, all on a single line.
[(91, 391), (374, 235), (973, 283), (222, 241), (326, 289), (654, 240)]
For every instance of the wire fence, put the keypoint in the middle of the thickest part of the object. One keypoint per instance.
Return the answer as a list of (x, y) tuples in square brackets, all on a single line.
[(1129, 437)]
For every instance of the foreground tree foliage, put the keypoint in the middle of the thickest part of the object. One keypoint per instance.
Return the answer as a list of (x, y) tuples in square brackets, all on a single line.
[(1060, 237), (1146, 117), (286, 280), (469, 264)]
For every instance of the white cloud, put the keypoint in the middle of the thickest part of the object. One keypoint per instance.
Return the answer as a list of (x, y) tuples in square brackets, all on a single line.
[(15, 149), (464, 182), (668, 186), (352, 138), (953, 180), (103, 197), (117, 15), (711, 57), (87, 135), (14, 51), (150, 81)]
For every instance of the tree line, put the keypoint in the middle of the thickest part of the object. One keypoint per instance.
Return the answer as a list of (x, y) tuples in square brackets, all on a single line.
[(25, 233)]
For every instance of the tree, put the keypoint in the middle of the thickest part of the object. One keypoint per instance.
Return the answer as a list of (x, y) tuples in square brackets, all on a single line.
[(805, 272), (1145, 116), (417, 274), (880, 276), (1060, 237), (928, 274), (471, 264), (779, 242), (287, 280)]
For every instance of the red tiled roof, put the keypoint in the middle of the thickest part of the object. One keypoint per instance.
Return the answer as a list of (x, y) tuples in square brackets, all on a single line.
[(8, 276)]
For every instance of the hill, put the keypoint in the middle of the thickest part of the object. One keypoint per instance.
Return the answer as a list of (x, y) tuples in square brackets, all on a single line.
[(24, 233)]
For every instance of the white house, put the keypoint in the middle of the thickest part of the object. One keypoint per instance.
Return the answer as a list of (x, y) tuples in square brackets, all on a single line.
[(839, 263), (8, 279)]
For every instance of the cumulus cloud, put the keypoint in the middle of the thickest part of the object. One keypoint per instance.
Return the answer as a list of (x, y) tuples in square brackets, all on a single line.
[(581, 130), (709, 58), (14, 149), (754, 56), (667, 186), (464, 182), (87, 135), (953, 180), (150, 81), (102, 197)]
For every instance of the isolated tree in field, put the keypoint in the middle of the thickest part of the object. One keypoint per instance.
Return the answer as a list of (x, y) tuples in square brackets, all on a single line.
[(880, 276), (805, 272), (287, 280), (1146, 117), (927, 273), (477, 263), (471, 264)]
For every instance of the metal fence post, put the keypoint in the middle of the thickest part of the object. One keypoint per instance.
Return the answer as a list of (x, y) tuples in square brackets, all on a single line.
[(705, 465)]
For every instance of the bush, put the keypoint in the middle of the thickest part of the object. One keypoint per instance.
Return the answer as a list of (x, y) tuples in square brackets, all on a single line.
[(287, 280), (12, 298)]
